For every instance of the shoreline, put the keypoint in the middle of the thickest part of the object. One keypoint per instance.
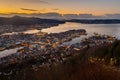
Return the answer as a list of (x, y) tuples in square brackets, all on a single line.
[(53, 53)]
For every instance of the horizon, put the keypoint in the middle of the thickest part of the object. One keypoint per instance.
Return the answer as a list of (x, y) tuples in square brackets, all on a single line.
[(55, 15)]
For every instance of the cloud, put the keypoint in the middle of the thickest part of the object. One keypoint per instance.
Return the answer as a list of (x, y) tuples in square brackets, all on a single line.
[(26, 1), (56, 9), (25, 9), (36, 1), (90, 16), (70, 16), (52, 14), (113, 16), (40, 1), (86, 15)]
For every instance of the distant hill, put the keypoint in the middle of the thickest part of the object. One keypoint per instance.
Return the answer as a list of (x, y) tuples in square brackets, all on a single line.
[(96, 21), (17, 20)]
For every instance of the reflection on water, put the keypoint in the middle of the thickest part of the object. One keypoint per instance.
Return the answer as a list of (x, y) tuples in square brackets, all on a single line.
[(76, 40), (108, 29), (8, 52), (31, 31), (25, 32)]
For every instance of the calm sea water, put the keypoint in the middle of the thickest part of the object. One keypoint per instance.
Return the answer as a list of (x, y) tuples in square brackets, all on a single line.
[(108, 29), (8, 52)]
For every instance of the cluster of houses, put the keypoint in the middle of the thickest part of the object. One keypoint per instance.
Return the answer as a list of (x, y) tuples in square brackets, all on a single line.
[(95, 40), (45, 49), (35, 44)]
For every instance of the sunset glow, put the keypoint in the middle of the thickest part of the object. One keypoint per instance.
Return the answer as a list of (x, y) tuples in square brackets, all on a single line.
[(96, 7)]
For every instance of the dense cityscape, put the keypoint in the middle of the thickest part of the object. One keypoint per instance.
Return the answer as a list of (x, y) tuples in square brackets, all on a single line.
[(38, 49), (59, 40)]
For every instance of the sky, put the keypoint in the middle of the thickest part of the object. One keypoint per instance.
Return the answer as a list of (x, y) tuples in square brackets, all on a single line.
[(95, 7)]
